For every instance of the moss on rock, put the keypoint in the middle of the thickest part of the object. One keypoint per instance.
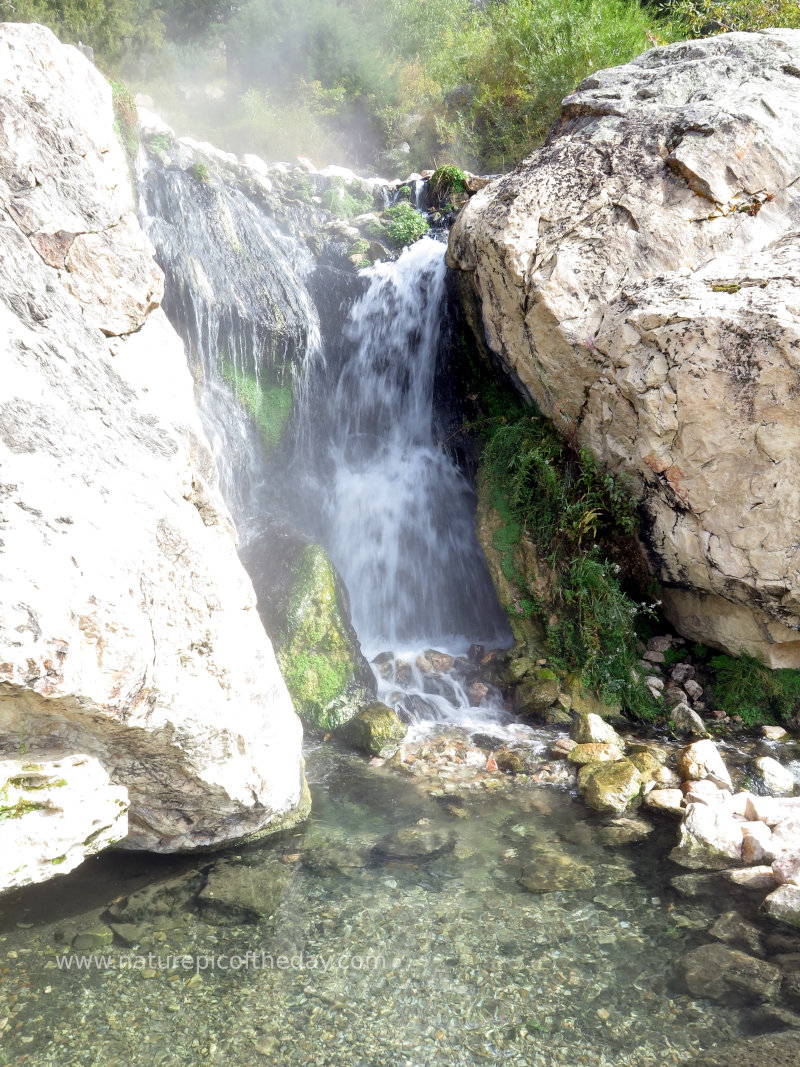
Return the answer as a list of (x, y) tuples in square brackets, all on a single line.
[(318, 651), (375, 730)]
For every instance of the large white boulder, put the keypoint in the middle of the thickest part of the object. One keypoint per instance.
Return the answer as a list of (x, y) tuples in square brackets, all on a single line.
[(128, 629), (640, 275)]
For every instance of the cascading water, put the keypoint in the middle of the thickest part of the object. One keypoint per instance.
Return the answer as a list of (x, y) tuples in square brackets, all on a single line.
[(360, 470), (236, 292), (400, 513)]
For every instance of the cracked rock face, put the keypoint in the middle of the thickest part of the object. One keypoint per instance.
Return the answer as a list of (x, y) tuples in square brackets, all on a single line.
[(128, 629), (640, 274)]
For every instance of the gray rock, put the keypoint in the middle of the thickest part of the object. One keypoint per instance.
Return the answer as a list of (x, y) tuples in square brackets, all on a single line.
[(376, 730), (415, 843), (725, 974), (687, 722), (241, 892), (783, 905), (126, 618), (591, 729), (737, 932), (610, 786), (778, 780), (627, 260)]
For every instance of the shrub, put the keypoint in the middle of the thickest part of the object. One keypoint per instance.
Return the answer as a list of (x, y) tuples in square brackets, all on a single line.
[(699, 18), (200, 173), (405, 225), (346, 200), (560, 499), (749, 688)]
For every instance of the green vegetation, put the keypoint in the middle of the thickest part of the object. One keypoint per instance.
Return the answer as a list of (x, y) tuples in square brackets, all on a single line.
[(268, 403), (748, 688), (557, 496), (394, 85), (347, 199), (316, 647), (201, 173), (126, 121), (405, 226), (700, 18)]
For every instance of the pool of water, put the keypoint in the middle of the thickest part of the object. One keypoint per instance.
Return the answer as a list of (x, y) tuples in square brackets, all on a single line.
[(410, 922)]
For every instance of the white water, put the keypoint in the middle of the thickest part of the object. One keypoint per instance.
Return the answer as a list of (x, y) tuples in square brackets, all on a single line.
[(400, 514), (364, 474)]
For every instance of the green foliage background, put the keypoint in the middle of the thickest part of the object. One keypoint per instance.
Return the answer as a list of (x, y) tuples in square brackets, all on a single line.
[(398, 85)]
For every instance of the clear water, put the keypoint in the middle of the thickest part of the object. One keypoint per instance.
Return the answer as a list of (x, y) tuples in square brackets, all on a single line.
[(457, 924)]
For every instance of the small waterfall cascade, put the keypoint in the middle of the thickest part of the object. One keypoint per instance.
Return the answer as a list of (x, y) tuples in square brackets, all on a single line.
[(399, 514), (236, 292), (346, 453)]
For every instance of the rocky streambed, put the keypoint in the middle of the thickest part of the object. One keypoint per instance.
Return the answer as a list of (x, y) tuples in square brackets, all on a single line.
[(436, 908)]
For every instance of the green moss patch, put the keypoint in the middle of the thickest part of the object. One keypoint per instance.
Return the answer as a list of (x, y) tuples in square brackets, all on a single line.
[(318, 652), (268, 403)]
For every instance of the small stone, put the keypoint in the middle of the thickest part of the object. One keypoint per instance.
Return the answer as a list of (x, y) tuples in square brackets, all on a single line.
[(440, 661), (651, 656), (594, 753), (610, 786), (778, 780), (507, 760), (561, 748), (773, 733), (625, 830), (476, 691), (755, 878), (787, 869), (591, 729), (756, 838), (733, 930), (783, 905), (668, 801), (534, 695), (688, 722), (375, 730), (710, 838), (93, 939), (660, 643), (693, 690), (700, 760), (726, 974)]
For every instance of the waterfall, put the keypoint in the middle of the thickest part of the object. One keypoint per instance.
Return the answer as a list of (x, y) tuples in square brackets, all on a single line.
[(357, 467), (399, 514), (236, 292)]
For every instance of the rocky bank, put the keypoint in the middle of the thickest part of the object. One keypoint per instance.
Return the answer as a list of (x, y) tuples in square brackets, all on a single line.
[(639, 276), (140, 700)]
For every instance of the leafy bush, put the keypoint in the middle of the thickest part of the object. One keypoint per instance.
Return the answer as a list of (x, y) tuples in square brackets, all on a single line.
[(200, 173), (699, 18), (749, 688), (352, 81), (561, 499), (405, 225)]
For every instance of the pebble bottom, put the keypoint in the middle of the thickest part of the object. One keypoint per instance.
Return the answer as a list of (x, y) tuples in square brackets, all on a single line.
[(473, 968)]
